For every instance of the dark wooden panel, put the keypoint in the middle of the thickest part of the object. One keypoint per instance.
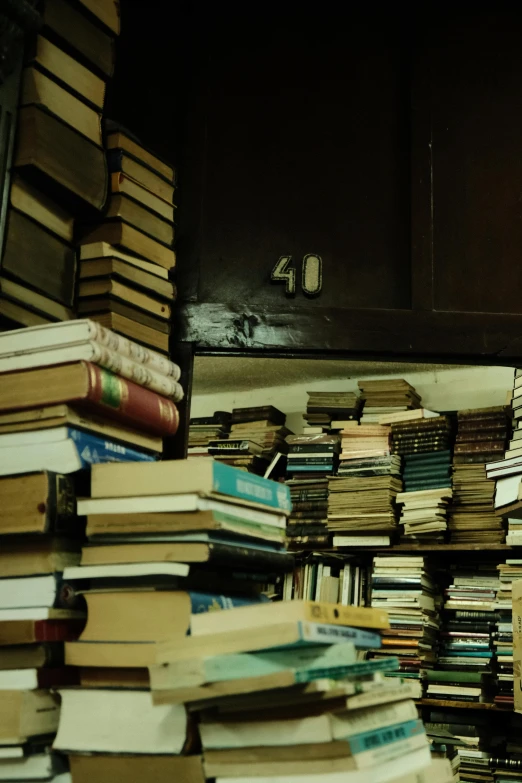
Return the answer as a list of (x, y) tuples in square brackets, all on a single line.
[(477, 165), (446, 336), (305, 150)]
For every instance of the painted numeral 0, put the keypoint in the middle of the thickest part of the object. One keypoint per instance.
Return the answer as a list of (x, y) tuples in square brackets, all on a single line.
[(311, 274)]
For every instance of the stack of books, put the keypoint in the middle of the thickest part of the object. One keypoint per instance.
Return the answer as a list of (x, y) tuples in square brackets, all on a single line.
[(331, 410), (362, 511), (307, 524), (465, 737), (328, 577), (204, 429), (312, 456), (466, 662), (257, 435), (508, 572), (125, 260), (425, 445), (59, 170), (40, 537), (164, 545), (305, 710), (443, 750), (424, 514), (403, 586), (481, 436), (386, 397), (74, 394)]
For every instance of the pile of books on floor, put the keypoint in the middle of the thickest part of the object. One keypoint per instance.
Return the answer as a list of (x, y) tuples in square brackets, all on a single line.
[(466, 663), (330, 410), (508, 572), (74, 393), (59, 171), (384, 398), (164, 545), (308, 709), (361, 502), (204, 429), (481, 437), (125, 259), (39, 537), (256, 438), (403, 586), (328, 577)]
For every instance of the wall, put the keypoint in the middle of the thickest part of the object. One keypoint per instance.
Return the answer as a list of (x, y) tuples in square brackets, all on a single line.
[(448, 389)]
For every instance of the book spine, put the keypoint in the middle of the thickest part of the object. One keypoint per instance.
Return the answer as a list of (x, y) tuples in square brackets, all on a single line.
[(480, 447), (472, 437), (138, 373), (93, 450), (328, 634), (348, 670), (130, 403), (207, 602), (137, 353), (435, 457), (54, 630)]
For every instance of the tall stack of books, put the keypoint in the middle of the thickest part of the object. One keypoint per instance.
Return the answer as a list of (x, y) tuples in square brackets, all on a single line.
[(256, 436), (307, 524), (425, 447), (305, 710), (204, 429), (164, 545), (403, 586), (312, 456), (386, 397), (330, 410), (59, 168), (508, 572), (39, 537), (126, 259), (466, 662), (481, 436), (74, 393), (361, 503)]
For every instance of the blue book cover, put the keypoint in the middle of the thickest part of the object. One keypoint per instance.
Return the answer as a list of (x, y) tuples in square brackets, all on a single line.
[(354, 670), (93, 450), (323, 633), (371, 740), (207, 602), (248, 486), (464, 654)]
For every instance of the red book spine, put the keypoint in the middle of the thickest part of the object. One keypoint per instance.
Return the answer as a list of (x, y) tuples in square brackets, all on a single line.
[(58, 630), (131, 404)]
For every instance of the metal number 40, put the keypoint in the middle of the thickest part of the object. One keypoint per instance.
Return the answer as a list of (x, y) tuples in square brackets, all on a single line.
[(311, 274)]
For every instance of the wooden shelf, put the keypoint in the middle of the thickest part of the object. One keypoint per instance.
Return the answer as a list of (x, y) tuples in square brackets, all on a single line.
[(443, 548), (463, 705)]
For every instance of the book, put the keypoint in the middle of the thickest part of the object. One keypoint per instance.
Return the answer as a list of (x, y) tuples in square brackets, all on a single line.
[(107, 286), (34, 557), (134, 768), (357, 540), (28, 714), (128, 321), (219, 553), (184, 477), (70, 29), (83, 331), (267, 412), (59, 160), (120, 161), (105, 11), (94, 387), (26, 296), (95, 353), (146, 616), (103, 250), (40, 90), (35, 591), (412, 415), (60, 450), (37, 503), (39, 207), (39, 259), (65, 415), (36, 766), (117, 232), (126, 186), (34, 626), (143, 219), (61, 66), (119, 722), (18, 314), (122, 140)]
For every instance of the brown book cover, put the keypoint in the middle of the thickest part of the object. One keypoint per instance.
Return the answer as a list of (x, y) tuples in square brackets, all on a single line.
[(480, 447)]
